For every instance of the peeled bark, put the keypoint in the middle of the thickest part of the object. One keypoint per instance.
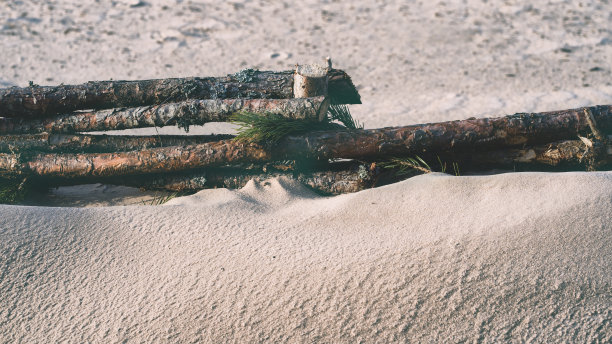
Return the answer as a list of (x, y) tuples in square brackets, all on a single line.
[(45, 101), (192, 112), (376, 144), (75, 143)]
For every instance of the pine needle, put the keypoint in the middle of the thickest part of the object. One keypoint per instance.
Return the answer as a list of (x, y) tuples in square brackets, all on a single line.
[(342, 114), (272, 127), (404, 165)]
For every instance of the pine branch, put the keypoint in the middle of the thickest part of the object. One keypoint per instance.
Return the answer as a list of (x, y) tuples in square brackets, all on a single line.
[(342, 114), (272, 127)]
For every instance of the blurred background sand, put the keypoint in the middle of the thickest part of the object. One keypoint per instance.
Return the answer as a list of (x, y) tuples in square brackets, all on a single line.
[(413, 61)]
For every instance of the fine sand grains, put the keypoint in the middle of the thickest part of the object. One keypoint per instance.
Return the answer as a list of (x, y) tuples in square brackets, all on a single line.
[(435, 258)]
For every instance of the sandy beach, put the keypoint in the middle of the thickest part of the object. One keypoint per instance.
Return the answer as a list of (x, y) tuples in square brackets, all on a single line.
[(515, 257)]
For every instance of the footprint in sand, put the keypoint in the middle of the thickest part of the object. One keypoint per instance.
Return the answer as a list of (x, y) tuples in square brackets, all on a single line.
[(279, 56)]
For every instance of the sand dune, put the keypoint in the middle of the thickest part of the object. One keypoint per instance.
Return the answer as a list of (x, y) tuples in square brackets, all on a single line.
[(514, 257), (434, 258)]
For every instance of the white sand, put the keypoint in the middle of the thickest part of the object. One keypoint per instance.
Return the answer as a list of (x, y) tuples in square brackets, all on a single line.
[(434, 258), (513, 257)]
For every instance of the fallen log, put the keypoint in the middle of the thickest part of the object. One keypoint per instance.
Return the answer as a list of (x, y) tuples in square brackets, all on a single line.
[(80, 143), (183, 114), (45, 101), (374, 144)]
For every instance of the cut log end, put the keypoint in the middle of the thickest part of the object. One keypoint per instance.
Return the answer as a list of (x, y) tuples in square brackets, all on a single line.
[(310, 81)]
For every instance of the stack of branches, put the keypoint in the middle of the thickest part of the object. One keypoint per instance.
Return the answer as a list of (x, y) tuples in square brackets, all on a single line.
[(291, 123)]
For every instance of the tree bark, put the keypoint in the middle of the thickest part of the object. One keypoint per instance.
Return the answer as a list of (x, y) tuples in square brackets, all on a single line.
[(338, 179), (340, 88), (455, 136), (560, 154), (75, 143), (154, 160), (375, 144), (191, 112), (45, 101)]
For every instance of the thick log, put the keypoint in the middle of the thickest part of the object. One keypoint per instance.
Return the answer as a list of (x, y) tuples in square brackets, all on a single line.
[(376, 144), (183, 114), (45, 101), (75, 143)]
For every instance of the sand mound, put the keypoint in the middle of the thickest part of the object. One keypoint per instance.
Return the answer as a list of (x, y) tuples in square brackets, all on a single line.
[(435, 258)]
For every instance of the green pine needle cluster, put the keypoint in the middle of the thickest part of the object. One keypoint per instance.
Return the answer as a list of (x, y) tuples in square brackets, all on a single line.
[(404, 165), (271, 127), (342, 114)]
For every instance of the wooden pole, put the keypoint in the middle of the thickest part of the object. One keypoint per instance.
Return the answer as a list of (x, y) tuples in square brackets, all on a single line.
[(45, 101), (183, 114)]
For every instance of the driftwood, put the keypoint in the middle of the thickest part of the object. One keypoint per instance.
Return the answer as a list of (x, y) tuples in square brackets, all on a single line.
[(376, 144), (192, 112), (45, 101), (78, 143)]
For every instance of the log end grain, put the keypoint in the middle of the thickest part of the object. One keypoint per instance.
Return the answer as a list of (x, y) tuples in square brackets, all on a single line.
[(309, 81)]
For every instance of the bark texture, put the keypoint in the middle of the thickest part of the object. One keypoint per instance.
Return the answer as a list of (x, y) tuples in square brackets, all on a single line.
[(340, 88), (560, 154), (74, 143), (377, 144), (456, 136), (45, 101), (346, 178), (154, 160), (183, 114)]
